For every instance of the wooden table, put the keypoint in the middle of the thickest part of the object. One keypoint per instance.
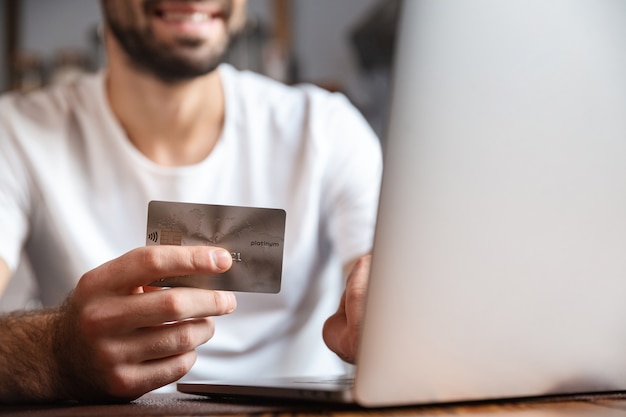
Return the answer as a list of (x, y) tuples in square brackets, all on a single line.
[(189, 405)]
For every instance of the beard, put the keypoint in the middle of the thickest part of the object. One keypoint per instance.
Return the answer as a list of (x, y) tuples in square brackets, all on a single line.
[(169, 64)]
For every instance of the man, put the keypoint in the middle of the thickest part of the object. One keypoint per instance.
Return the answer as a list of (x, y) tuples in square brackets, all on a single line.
[(165, 121)]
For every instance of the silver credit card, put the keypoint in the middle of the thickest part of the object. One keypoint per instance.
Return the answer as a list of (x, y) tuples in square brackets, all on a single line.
[(254, 236)]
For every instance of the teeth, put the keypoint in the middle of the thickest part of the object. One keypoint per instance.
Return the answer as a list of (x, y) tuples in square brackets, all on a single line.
[(181, 17)]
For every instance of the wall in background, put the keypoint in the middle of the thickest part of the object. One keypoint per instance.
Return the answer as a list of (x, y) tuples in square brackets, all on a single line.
[(321, 39), (48, 26), (326, 56), (260, 9)]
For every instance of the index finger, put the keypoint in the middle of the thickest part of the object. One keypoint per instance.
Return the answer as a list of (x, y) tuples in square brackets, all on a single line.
[(144, 265)]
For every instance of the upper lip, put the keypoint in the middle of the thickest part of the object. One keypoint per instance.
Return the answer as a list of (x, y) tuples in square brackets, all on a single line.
[(209, 8)]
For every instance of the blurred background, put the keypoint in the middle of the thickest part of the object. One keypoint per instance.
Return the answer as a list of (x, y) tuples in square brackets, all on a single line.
[(339, 45)]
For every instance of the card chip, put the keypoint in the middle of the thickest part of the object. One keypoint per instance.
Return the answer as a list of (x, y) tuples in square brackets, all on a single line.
[(171, 237)]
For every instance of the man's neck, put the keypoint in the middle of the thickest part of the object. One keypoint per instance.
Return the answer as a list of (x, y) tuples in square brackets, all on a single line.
[(171, 124)]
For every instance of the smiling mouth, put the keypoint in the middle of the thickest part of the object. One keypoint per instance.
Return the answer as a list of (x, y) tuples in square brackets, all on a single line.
[(177, 16)]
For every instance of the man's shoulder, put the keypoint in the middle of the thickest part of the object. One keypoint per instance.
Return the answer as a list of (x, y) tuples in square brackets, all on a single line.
[(258, 88), (49, 105), (326, 122)]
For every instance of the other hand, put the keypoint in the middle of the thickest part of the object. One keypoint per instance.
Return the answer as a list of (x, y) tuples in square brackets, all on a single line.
[(342, 329)]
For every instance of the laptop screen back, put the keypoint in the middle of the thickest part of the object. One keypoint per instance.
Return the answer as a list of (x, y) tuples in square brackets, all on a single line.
[(499, 266)]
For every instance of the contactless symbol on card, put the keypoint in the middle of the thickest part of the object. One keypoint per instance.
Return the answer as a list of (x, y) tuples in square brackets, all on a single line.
[(254, 236)]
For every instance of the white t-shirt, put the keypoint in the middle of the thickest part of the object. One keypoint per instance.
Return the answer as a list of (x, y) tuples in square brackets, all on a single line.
[(74, 193)]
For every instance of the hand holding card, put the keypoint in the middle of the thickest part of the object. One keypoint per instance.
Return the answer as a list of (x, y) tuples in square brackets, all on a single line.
[(254, 236)]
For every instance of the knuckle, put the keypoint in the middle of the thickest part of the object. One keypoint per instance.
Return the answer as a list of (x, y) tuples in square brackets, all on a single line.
[(182, 364), (152, 260), (91, 320), (84, 285), (120, 382), (105, 355), (197, 260), (175, 368), (173, 304), (192, 333), (185, 338), (223, 302)]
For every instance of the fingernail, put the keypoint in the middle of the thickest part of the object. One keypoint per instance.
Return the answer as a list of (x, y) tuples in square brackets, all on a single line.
[(222, 259)]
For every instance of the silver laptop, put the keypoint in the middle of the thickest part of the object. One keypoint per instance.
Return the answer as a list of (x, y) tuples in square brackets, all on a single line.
[(499, 263)]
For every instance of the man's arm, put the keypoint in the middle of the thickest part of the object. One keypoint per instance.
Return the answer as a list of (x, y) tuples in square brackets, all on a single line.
[(27, 369), (110, 340), (342, 330)]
